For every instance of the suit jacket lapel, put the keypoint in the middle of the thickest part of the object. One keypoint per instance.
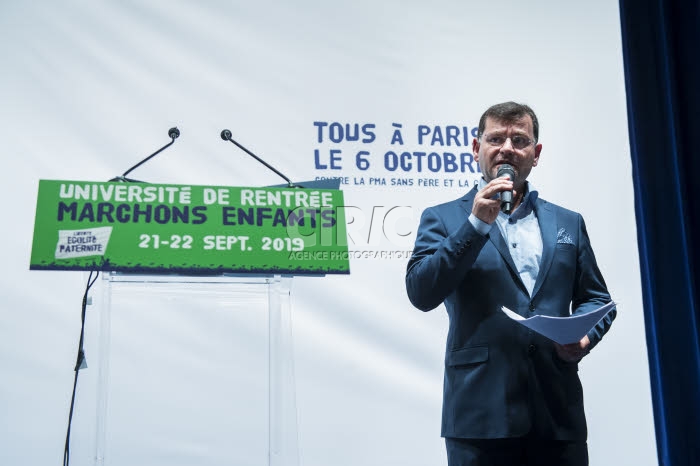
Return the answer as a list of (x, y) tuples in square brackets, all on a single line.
[(547, 219), (495, 237)]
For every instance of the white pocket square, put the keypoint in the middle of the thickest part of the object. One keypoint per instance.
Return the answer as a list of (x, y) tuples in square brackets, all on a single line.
[(563, 237)]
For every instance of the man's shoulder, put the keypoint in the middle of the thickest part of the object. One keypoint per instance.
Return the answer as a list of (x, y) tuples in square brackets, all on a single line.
[(451, 213), (455, 203), (545, 204), (459, 203), (448, 210)]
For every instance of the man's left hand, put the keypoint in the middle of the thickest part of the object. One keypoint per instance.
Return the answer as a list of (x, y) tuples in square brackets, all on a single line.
[(573, 352)]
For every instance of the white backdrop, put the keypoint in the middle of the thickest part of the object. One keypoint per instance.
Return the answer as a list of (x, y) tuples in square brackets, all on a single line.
[(88, 89)]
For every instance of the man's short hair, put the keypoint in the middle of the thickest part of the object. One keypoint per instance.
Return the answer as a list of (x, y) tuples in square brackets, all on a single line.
[(509, 112)]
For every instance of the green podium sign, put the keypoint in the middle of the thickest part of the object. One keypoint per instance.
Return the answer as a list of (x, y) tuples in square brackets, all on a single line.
[(188, 229)]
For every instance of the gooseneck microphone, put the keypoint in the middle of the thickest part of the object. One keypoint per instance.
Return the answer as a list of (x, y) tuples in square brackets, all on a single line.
[(506, 171), (227, 136), (173, 133)]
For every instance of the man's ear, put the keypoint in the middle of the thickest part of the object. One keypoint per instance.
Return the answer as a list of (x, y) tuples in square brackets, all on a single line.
[(475, 149), (538, 149)]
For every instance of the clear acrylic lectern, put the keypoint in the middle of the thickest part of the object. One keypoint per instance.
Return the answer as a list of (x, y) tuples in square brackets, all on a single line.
[(194, 370)]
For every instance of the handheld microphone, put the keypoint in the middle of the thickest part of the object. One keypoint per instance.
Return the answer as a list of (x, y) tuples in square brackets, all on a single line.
[(507, 171), (173, 133), (227, 136)]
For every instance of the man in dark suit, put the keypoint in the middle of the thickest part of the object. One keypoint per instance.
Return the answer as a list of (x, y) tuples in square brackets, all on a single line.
[(511, 396)]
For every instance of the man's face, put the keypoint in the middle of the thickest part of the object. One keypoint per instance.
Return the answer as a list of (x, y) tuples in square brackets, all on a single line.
[(491, 151)]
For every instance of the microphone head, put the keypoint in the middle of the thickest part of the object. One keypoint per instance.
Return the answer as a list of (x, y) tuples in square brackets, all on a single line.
[(226, 135), (174, 133), (506, 170)]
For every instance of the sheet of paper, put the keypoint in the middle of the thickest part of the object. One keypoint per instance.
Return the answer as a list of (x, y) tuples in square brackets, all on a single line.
[(563, 330)]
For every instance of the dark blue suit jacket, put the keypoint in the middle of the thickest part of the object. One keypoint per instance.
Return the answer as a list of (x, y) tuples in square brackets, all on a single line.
[(501, 379)]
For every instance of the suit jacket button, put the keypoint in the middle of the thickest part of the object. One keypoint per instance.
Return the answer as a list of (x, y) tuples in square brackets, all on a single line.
[(532, 307), (469, 242), (531, 349)]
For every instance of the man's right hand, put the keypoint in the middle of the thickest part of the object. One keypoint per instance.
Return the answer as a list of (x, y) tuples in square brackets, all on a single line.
[(485, 208)]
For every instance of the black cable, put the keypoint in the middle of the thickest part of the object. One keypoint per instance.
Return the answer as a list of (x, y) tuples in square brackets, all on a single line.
[(173, 133), (79, 362)]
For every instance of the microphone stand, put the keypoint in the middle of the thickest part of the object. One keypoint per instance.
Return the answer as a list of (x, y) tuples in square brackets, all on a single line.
[(174, 133), (226, 136)]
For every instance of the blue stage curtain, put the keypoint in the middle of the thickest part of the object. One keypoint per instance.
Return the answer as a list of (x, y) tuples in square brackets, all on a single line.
[(661, 48)]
